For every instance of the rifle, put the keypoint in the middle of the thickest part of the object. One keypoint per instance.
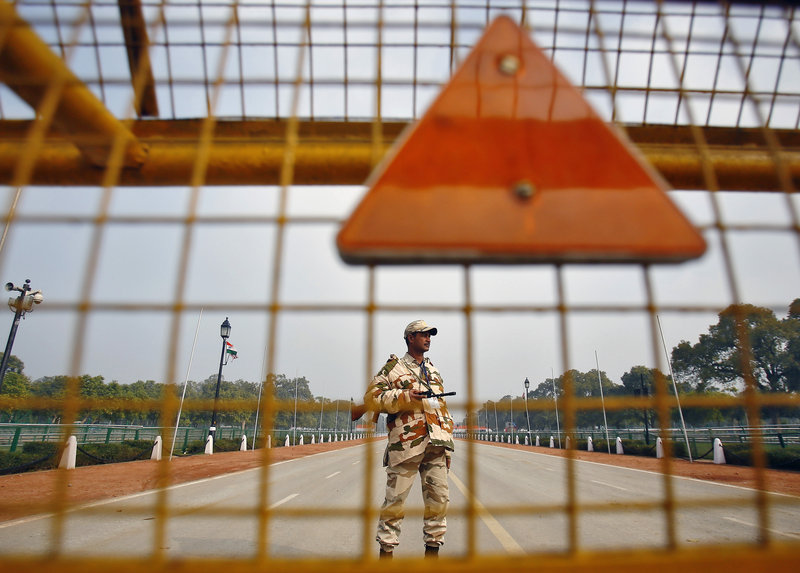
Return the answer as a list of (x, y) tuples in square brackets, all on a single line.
[(358, 410), (432, 394)]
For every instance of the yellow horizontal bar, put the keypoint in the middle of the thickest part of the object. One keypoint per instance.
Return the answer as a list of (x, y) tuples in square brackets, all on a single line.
[(340, 153), (730, 559)]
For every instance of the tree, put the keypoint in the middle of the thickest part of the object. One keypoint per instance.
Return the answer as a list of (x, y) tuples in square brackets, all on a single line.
[(792, 355), (746, 341), (16, 385), (284, 391), (14, 364)]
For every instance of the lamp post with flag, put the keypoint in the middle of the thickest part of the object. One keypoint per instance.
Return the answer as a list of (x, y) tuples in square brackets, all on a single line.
[(224, 332)]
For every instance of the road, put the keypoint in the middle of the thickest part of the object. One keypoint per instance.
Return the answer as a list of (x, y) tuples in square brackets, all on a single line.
[(518, 498)]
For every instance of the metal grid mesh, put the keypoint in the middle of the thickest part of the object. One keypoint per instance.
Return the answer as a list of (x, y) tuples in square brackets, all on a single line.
[(675, 64)]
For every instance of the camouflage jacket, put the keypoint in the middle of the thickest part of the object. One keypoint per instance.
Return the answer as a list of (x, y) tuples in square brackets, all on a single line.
[(412, 425)]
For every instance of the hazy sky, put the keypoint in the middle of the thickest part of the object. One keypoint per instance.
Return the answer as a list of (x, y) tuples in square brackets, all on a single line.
[(233, 261)]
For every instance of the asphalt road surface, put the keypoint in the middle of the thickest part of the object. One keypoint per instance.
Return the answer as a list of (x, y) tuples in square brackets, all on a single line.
[(518, 498)]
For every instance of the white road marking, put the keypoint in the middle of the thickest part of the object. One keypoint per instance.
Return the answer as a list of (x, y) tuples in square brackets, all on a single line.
[(288, 498), (775, 531), (503, 536), (110, 500), (610, 485), (333, 474)]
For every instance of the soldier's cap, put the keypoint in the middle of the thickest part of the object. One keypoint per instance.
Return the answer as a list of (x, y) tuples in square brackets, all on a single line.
[(419, 326)]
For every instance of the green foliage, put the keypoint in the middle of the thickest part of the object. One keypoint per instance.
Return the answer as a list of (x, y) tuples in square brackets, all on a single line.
[(220, 445), (637, 448), (44, 454), (776, 457), (126, 451), (40, 448)]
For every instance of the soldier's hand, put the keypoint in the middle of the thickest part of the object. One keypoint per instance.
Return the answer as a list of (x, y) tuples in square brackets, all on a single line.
[(416, 395)]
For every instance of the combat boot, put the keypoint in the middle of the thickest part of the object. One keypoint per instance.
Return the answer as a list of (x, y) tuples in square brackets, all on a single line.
[(432, 551)]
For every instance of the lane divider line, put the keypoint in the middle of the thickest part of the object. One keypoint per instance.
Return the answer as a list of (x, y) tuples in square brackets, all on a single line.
[(333, 474), (503, 536), (609, 485), (288, 498)]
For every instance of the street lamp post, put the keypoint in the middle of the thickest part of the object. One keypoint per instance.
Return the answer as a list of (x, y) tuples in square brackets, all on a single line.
[(20, 305), (224, 332), (511, 404), (527, 416)]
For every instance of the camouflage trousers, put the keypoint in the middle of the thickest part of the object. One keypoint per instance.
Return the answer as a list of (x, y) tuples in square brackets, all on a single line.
[(432, 468)]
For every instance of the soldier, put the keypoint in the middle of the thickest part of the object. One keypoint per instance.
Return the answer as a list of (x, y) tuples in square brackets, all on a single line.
[(420, 439)]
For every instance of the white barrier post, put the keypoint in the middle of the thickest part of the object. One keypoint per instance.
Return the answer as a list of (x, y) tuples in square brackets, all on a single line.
[(243, 445), (155, 454), (269, 441), (537, 441), (69, 454), (526, 441), (659, 448), (209, 445), (719, 452), (286, 443), (567, 442), (301, 439), (312, 439), (552, 442), (619, 446), (322, 438), (589, 444)]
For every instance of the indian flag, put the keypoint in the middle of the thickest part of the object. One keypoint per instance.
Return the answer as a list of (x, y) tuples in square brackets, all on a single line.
[(230, 350)]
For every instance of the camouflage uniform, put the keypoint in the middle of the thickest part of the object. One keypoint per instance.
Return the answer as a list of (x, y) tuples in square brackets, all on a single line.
[(420, 441)]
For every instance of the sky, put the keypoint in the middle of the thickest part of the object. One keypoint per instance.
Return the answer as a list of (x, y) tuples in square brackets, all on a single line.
[(140, 252)]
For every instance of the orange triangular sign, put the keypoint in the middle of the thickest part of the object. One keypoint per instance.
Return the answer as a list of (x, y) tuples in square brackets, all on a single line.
[(511, 165)]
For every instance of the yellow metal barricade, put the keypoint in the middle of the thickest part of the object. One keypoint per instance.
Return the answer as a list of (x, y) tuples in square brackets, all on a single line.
[(171, 106)]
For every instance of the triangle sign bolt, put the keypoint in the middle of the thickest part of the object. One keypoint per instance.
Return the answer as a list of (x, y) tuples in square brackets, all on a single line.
[(509, 64), (524, 189)]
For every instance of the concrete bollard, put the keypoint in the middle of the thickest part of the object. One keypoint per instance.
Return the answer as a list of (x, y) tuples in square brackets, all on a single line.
[(312, 439), (552, 442), (719, 452), (243, 444), (537, 441), (286, 443), (155, 454), (619, 446), (69, 454), (567, 442), (301, 439), (269, 441), (659, 448), (209, 445), (589, 444)]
